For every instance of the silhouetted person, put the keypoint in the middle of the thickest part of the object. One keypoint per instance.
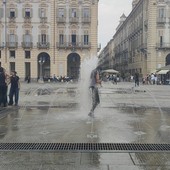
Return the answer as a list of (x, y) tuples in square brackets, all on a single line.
[(14, 90), (3, 88), (136, 77), (94, 82)]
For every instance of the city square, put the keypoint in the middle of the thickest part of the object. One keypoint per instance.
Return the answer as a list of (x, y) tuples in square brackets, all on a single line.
[(54, 113), (70, 102)]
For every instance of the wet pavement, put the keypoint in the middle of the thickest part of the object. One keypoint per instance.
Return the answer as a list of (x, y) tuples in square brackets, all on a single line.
[(57, 113)]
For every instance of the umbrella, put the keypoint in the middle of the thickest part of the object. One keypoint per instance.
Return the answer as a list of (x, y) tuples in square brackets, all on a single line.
[(112, 71)]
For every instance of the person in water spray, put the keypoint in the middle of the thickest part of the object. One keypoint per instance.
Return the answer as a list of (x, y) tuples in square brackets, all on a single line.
[(94, 83)]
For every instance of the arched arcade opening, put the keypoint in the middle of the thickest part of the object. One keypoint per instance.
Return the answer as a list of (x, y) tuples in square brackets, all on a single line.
[(43, 61), (73, 65), (167, 60)]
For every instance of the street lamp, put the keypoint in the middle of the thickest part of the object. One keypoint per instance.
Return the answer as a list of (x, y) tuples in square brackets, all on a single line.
[(41, 61)]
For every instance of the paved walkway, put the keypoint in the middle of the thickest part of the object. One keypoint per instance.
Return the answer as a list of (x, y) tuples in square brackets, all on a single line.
[(58, 113)]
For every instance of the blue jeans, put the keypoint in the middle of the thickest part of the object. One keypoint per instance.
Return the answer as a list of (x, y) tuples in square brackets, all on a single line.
[(13, 92)]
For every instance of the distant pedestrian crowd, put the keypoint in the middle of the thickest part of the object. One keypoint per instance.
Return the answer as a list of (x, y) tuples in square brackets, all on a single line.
[(12, 80)]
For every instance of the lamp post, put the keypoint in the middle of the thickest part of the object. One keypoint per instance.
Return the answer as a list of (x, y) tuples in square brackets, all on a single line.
[(41, 61)]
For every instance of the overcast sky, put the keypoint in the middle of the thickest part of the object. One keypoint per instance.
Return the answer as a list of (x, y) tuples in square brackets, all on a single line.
[(109, 16)]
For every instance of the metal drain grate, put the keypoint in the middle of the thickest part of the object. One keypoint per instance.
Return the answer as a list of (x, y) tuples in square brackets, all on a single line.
[(85, 147)]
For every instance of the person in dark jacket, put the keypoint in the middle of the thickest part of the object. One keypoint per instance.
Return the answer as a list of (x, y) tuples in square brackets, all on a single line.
[(14, 89), (136, 77), (3, 88)]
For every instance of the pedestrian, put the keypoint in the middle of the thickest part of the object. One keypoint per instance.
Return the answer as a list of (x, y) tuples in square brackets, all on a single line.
[(136, 77), (152, 79), (131, 78), (94, 83), (155, 79), (28, 79), (3, 87), (14, 89)]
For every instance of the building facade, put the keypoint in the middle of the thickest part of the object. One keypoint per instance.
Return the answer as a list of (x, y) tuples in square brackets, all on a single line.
[(142, 39), (40, 38)]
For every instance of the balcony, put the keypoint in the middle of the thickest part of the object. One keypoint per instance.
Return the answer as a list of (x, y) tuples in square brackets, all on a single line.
[(61, 19), (27, 45), (86, 20), (43, 45), (43, 19), (74, 19), (164, 46), (161, 20), (27, 19), (12, 44), (69, 45), (12, 19)]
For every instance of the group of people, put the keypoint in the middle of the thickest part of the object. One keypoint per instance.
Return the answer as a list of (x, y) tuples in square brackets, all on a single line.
[(61, 78), (5, 81), (148, 79)]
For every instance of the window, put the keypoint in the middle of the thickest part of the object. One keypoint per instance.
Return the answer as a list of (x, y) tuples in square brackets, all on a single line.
[(61, 39), (43, 38), (73, 13), (12, 13), (73, 39), (42, 13), (61, 12), (12, 54), (12, 39), (27, 12), (161, 41), (86, 13), (27, 38), (27, 54), (161, 13), (86, 39)]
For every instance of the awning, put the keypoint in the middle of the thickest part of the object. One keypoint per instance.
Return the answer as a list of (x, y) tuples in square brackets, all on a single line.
[(112, 71), (162, 72)]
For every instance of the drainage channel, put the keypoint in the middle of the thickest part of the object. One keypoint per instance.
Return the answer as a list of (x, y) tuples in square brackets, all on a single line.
[(85, 147)]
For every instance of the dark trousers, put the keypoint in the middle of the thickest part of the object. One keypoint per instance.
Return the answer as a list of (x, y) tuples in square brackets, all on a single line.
[(95, 98), (136, 82), (3, 95), (13, 92)]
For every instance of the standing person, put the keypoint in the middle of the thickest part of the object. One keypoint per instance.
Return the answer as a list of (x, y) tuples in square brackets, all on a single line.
[(136, 79), (131, 78), (94, 82), (28, 79), (152, 78), (3, 87), (14, 90)]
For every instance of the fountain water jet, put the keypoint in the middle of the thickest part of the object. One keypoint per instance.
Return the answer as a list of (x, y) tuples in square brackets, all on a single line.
[(87, 66)]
